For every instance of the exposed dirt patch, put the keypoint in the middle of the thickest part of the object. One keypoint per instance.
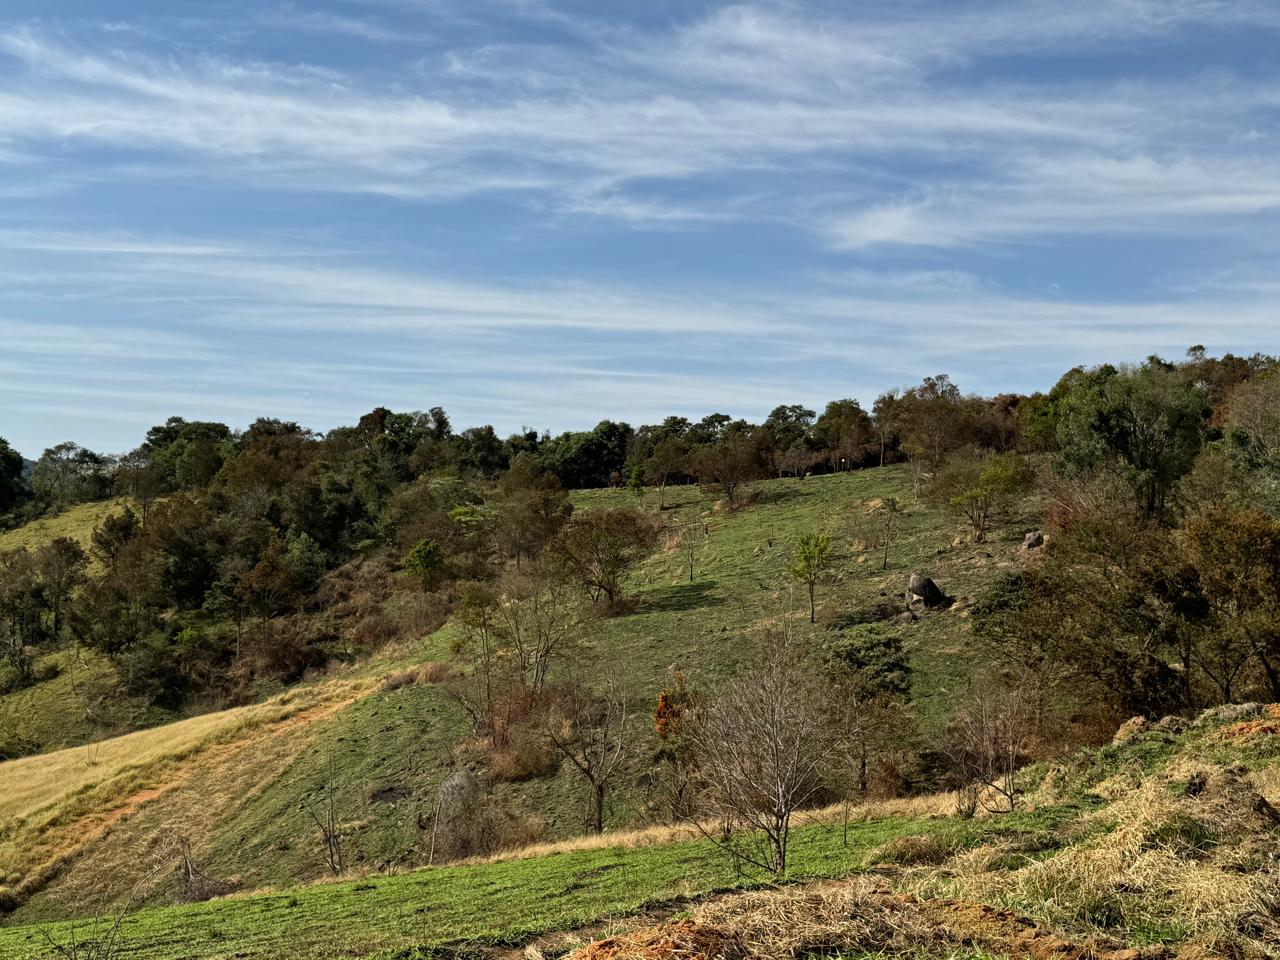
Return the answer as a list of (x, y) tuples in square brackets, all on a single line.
[(1266, 725)]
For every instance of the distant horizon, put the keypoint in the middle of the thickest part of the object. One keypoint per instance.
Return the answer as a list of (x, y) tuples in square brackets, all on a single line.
[(756, 415), (552, 212)]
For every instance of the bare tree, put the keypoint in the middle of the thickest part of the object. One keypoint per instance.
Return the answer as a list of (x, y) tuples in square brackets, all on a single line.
[(99, 939), (890, 513), (767, 747), (455, 823), (540, 617), (591, 733), (987, 742), (691, 538), (513, 636), (323, 811)]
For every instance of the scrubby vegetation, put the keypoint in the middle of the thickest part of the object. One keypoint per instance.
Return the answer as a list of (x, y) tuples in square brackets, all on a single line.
[(398, 646)]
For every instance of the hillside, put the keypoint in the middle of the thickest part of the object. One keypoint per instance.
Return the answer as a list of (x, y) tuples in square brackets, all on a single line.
[(232, 788), (1164, 844), (76, 522)]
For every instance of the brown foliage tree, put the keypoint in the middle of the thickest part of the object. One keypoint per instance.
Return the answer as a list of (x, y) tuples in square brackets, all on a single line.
[(728, 464), (598, 547)]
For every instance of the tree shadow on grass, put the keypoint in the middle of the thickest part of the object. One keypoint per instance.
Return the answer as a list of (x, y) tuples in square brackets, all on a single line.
[(774, 493), (681, 596)]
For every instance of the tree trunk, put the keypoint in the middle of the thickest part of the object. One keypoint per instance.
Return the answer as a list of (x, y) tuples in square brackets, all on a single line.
[(1273, 677), (599, 805), (813, 609)]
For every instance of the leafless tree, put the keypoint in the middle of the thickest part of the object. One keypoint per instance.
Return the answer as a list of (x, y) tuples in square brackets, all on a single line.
[(890, 513), (590, 731), (456, 820), (513, 636), (99, 938), (194, 884), (987, 742), (322, 807), (691, 539), (768, 748), (540, 617)]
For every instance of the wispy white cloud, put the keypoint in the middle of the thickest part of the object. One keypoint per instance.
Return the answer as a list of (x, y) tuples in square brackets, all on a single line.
[(900, 158), (291, 17)]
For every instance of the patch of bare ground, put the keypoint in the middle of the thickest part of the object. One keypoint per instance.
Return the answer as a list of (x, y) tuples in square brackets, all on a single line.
[(1267, 724)]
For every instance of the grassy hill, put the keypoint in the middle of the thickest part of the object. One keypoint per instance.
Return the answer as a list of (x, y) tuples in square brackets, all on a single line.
[(78, 523), (1165, 844), (231, 784)]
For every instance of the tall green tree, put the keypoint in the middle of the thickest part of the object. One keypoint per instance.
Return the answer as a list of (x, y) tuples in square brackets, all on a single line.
[(12, 484), (1145, 423), (846, 432), (426, 563), (67, 474)]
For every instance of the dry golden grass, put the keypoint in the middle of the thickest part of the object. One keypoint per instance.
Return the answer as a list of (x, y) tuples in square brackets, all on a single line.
[(207, 790), (848, 918), (78, 523), (31, 785), (55, 805), (1204, 862), (934, 805)]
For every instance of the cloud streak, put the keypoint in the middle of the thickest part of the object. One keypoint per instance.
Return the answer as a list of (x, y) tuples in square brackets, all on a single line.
[(541, 212)]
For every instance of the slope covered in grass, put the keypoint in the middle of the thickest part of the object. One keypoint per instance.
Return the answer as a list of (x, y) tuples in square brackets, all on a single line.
[(1167, 841), (59, 809), (76, 522), (79, 700), (383, 756)]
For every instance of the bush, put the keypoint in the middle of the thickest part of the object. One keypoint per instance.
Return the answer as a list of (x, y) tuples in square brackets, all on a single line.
[(930, 849)]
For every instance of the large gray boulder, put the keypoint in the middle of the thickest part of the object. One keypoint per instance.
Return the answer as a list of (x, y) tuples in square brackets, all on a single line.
[(921, 589)]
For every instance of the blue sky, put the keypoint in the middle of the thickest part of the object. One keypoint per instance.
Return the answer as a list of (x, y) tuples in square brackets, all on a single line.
[(544, 213)]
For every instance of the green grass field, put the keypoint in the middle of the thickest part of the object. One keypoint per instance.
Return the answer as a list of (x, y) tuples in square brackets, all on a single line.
[(500, 903)]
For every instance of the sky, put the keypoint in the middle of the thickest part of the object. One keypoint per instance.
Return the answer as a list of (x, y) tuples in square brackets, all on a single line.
[(547, 212)]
